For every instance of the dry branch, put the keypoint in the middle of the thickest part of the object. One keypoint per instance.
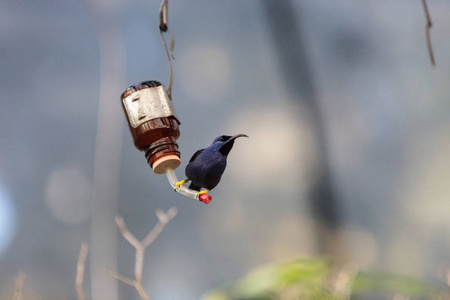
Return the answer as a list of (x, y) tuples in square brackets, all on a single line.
[(343, 283), (18, 285), (140, 246), (120, 277), (80, 270)]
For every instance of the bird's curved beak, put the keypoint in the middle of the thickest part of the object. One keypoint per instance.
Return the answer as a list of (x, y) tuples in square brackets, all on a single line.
[(226, 148), (238, 135)]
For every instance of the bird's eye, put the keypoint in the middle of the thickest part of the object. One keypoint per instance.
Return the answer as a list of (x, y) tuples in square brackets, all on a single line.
[(222, 139)]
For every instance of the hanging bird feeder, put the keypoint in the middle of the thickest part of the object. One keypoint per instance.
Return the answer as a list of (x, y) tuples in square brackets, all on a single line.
[(154, 124), (154, 127)]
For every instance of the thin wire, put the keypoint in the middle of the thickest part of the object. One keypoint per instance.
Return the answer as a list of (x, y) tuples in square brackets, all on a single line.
[(163, 15), (164, 27), (428, 27)]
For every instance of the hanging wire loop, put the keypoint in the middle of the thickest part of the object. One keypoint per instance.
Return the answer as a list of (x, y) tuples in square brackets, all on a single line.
[(163, 16), (164, 27), (428, 26)]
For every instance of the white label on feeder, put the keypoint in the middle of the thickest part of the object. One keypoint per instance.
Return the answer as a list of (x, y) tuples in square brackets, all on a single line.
[(148, 104)]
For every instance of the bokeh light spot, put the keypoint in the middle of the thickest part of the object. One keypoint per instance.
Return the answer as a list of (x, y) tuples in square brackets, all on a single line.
[(280, 151), (7, 219), (67, 194), (205, 72), (290, 235), (360, 243)]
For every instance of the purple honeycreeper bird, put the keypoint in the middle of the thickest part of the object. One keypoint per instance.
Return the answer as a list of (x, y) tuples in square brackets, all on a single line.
[(207, 165)]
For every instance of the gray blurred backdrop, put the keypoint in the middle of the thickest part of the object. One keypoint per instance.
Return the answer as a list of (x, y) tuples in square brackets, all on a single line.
[(348, 154)]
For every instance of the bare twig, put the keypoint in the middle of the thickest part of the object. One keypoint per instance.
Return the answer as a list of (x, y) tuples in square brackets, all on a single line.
[(140, 246), (343, 283), (428, 27), (18, 285), (163, 218), (119, 277), (447, 277), (80, 270), (126, 234), (141, 290)]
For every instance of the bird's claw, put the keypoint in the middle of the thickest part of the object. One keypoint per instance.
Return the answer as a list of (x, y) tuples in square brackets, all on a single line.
[(203, 192), (180, 183)]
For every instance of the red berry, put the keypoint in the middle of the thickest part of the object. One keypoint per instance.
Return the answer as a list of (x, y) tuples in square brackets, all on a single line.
[(205, 198)]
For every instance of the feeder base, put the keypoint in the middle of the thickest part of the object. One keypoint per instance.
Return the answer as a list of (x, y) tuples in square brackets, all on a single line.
[(164, 163)]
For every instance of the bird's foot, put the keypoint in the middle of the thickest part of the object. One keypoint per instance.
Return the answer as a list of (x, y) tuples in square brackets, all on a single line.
[(203, 192), (180, 183)]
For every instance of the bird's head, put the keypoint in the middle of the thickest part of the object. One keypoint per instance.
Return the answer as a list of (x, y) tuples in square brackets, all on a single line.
[(224, 143)]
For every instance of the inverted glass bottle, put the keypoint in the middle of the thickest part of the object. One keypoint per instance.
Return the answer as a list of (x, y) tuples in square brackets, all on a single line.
[(153, 124)]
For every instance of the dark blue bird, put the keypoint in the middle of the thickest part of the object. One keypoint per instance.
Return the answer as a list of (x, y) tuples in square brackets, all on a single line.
[(207, 165)]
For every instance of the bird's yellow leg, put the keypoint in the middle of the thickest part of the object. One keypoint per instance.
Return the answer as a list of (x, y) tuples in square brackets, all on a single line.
[(203, 192), (181, 182)]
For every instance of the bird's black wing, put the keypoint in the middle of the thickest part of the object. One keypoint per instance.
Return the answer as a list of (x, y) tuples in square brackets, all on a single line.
[(196, 154)]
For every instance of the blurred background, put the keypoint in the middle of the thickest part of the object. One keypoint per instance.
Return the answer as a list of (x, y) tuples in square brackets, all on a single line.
[(348, 155)]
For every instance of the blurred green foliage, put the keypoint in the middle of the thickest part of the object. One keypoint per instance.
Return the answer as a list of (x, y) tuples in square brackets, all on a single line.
[(318, 279)]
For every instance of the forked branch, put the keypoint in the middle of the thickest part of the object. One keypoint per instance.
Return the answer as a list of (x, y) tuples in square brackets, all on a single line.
[(140, 246)]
